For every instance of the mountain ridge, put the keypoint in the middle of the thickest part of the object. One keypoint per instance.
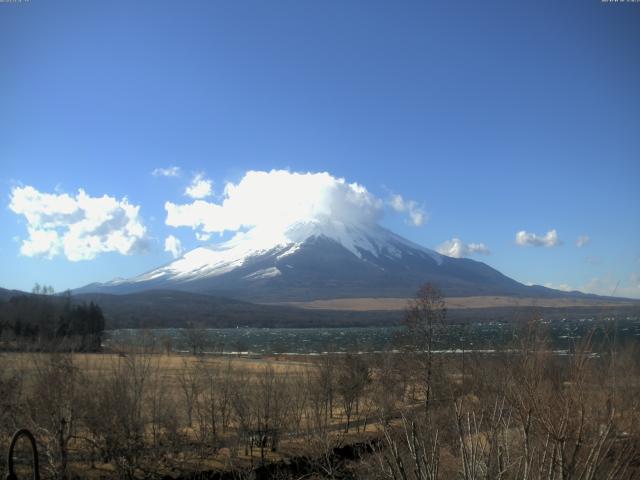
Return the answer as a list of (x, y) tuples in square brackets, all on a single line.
[(179, 309), (327, 259)]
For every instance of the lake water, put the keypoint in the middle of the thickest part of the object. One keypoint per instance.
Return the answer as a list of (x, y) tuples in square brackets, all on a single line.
[(475, 336)]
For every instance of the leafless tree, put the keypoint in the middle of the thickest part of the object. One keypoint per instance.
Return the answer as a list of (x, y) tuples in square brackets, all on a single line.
[(190, 385), (214, 402), (11, 393), (388, 387), (271, 408), (117, 416), (424, 317), (326, 382), (194, 336), (353, 377), (54, 407), (298, 394)]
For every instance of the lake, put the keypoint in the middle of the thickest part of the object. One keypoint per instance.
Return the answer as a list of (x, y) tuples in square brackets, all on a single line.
[(473, 336)]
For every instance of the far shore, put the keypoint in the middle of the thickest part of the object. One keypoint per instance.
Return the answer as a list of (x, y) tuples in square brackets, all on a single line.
[(395, 304)]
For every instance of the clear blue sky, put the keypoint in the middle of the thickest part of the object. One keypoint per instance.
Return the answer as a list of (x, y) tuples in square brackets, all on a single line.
[(494, 117)]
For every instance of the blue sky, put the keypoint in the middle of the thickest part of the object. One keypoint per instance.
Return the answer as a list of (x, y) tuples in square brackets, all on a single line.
[(493, 117)]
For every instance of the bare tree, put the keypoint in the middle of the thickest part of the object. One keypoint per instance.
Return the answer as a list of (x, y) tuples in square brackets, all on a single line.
[(271, 408), (409, 452), (353, 377), (424, 316), (54, 407), (194, 336), (11, 394), (189, 382), (298, 394), (388, 387), (117, 415), (326, 382), (213, 405)]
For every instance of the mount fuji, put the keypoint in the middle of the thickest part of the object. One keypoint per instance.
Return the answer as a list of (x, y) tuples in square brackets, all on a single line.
[(321, 259)]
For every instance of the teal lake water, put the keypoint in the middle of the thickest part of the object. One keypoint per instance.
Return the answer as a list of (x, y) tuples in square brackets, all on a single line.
[(262, 341)]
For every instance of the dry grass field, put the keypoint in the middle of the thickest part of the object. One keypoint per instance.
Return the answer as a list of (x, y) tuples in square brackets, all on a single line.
[(244, 392), (143, 414), (170, 366), (394, 304)]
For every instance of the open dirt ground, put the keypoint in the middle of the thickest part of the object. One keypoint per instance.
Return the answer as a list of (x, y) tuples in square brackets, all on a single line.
[(394, 304)]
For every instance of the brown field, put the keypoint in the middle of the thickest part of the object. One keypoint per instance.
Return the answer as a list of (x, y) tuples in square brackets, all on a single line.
[(394, 304), (170, 365), (144, 414), (168, 381)]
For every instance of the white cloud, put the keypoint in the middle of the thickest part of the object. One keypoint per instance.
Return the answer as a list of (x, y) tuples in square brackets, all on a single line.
[(563, 286), (203, 237), (610, 286), (201, 187), (456, 248), (524, 239), (583, 240), (276, 199), (80, 226), (417, 215), (173, 245), (606, 286), (166, 172)]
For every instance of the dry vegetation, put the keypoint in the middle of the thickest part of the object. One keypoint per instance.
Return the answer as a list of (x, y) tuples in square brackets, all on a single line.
[(525, 413), (141, 414), (395, 304)]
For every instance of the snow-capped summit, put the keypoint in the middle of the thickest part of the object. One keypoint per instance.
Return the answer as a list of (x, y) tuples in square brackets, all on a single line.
[(318, 258), (363, 241)]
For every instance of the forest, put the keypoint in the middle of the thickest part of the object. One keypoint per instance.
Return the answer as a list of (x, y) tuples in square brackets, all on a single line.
[(44, 321)]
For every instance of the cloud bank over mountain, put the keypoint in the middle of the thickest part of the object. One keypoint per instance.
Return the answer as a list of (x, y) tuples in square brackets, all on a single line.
[(276, 199)]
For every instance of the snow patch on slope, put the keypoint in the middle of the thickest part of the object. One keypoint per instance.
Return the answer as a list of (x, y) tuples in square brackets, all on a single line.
[(264, 273), (211, 261), (357, 238)]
